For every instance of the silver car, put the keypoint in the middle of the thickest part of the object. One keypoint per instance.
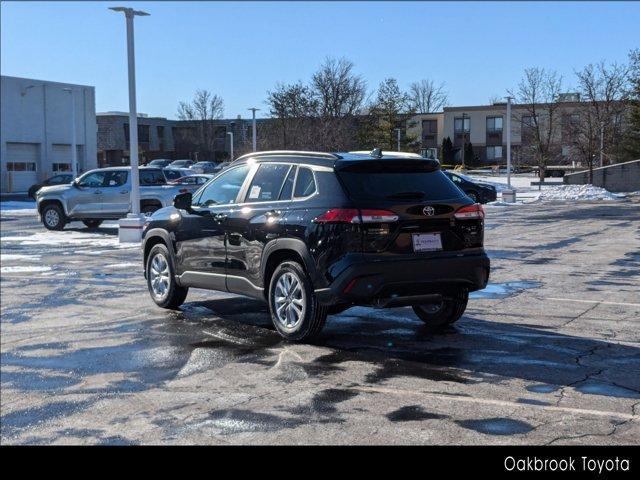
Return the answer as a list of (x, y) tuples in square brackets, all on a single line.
[(103, 194)]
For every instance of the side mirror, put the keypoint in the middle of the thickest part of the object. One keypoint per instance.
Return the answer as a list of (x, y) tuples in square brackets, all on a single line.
[(182, 201), (75, 183)]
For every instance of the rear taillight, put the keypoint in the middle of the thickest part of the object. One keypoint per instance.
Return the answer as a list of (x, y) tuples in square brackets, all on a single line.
[(470, 212), (352, 215)]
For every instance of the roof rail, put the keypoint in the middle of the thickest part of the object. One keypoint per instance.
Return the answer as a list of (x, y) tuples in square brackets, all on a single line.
[(299, 153), (389, 153)]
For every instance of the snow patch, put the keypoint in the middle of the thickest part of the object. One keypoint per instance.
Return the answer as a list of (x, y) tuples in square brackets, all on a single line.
[(66, 238), (123, 265), (25, 269), (18, 257)]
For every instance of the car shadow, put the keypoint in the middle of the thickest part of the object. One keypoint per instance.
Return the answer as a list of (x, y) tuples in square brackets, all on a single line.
[(400, 345)]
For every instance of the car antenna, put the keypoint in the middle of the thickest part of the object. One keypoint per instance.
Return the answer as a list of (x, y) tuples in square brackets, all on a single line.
[(376, 153)]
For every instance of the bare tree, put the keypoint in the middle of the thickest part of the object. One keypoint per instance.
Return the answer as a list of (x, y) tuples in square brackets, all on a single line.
[(603, 91), (427, 97), (538, 93), (201, 113), (294, 107), (631, 140), (338, 91)]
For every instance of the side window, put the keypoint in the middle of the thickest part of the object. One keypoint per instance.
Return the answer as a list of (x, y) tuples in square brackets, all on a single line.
[(152, 177), (116, 178), (305, 183), (92, 179), (224, 189), (287, 188), (266, 183)]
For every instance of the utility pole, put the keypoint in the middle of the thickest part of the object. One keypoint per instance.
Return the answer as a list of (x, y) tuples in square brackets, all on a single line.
[(464, 142), (398, 131), (131, 228), (253, 137)]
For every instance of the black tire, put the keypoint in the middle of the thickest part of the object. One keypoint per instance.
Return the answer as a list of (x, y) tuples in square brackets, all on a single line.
[(313, 315), (92, 223), (473, 196), (175, 295), (148, 209), (450, 310), (53, 217)]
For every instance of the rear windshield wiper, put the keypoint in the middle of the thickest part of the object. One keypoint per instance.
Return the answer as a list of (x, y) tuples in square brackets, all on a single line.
[(402, 195)]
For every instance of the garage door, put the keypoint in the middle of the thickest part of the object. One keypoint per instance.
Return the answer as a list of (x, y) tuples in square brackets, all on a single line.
[(22, 165)]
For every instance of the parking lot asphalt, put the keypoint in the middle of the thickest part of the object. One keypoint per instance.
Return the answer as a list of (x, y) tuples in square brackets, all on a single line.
[(548, 354)]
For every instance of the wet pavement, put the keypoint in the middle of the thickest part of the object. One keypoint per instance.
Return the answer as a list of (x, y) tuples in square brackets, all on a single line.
[(548, 353)]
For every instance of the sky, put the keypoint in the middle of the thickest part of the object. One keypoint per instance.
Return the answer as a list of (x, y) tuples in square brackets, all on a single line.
[(240, 50)]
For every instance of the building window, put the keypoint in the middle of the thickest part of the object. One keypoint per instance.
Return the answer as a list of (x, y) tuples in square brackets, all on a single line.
[(565, 151), (494, 124), (494, 153), (574, 118), (143, 133), (160, 131), (61, 167), (529, 121), (429, 127), (21, 167), (458, 125)]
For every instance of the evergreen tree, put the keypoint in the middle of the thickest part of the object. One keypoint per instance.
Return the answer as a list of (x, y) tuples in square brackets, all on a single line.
[(389, 112), (470, 160), (447, 151)]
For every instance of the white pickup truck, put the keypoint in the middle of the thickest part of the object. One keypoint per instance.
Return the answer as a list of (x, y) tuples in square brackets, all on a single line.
[(103, 194)]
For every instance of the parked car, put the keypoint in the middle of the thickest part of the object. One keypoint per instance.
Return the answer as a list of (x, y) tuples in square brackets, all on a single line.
[(313, 234), (172, 174), (479, 192), (63, 178), (103, 194), (192, 182), (180, 164), (159, 163), (205, 167)]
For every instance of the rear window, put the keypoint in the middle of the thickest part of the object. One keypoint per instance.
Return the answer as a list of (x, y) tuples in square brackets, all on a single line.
[(401, 183)]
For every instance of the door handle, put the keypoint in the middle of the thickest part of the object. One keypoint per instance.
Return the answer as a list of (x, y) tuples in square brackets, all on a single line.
[(220, 217), (97, 192), (124, 191), (273, 213)]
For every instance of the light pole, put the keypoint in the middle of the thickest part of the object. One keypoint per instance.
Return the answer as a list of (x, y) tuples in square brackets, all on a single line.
[(231, 145), (601, 144), (131, 230), (508, 122), (254, 138), (464, 141), (74, 148), (398, 132)]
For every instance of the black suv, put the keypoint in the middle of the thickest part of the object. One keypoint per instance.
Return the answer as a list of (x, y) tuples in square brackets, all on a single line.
[(316, 233)]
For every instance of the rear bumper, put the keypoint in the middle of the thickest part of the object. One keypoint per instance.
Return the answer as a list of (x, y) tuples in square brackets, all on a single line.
[(384, 282)]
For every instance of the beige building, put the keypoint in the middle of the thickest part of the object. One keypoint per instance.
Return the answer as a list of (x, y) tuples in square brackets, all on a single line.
[(485, 127)]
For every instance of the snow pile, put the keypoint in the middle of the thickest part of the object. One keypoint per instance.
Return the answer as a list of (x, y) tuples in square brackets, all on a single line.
[(18, 208), (577, 192), (24, 269)]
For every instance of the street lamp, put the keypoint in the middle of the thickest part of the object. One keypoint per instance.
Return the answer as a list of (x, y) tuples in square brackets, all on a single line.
[(253, 138), (131, 227), (74, 148), (231, 144), (398, 132)]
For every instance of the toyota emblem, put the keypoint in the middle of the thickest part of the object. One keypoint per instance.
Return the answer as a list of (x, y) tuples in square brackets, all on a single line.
[(429, 211)]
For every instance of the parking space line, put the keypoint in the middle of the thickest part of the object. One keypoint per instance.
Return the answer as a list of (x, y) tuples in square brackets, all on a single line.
[(500, 403), (602, 302)]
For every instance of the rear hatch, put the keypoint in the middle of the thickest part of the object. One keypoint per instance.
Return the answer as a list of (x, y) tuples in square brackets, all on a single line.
[(408, 206)]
